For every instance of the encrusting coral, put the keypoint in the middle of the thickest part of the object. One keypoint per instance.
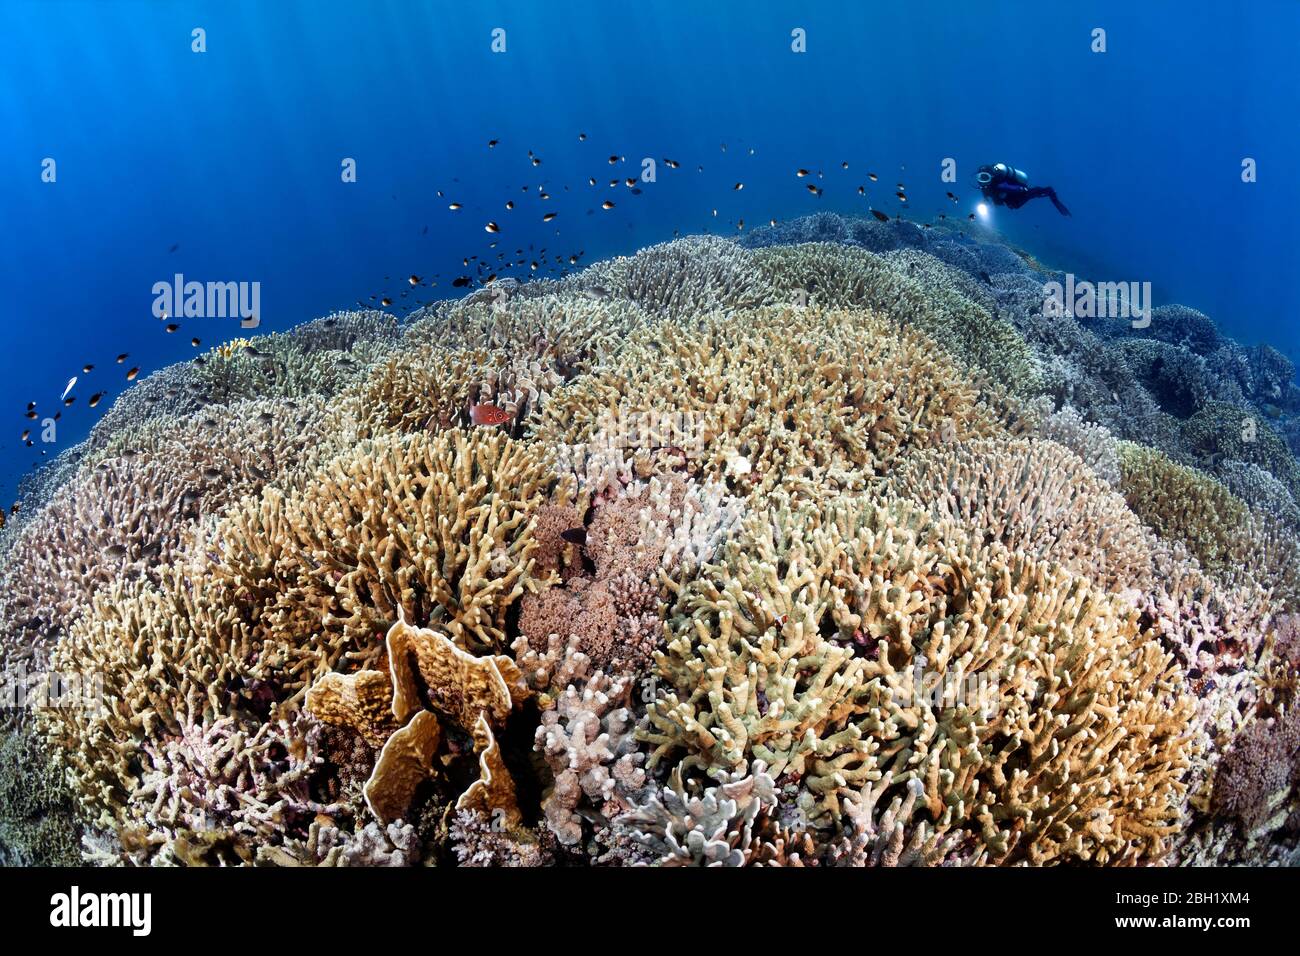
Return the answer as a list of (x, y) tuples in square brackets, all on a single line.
[(824, 547)]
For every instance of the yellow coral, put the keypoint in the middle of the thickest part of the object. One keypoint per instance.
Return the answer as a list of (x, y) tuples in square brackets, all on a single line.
[(405, 762), (810, 400), (842, 642), (436, 527)]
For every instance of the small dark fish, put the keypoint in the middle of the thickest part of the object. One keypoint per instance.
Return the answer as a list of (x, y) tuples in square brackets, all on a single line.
[(172, 327), (873, 177), (130, 375), (195, 342), (613, 160), (814, 189), (844, 165), (672, 163), (31, 415), (491, 227), (492, 143), (952, 197), (971, 217), (115, 551), (413, 279), (26, 435), (385, 302), (738, 187), (548, 217), (582, 137), (461, 282), (122, 358), (453, 206), (86, 369), (212, 474), (607, 205), (67, 402), (574, 535), (94, 399), (880, 215), (862, 190)]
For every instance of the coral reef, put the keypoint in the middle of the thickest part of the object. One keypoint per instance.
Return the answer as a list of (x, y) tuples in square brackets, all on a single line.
[(824, 547)]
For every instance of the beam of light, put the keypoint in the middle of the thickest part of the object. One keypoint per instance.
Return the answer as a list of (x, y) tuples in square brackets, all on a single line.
[(983, 210)]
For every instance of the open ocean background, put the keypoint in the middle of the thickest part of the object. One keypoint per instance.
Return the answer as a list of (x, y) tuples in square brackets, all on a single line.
[(233, 155)]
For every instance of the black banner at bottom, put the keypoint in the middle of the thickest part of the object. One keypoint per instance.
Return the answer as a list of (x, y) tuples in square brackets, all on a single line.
[(148, 908)]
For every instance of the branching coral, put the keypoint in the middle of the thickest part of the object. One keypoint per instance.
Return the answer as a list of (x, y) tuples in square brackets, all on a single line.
[(436, 526), (1091, 442), (38, 821), (1182, 504), (431, 388), (1073, 746), (1037, 497), (1220, 431), (586, 737), (911, 291), (848, 395), (683, 278), (732, 823), (890, 837), (568, 331), (284, 366), (137, 495)]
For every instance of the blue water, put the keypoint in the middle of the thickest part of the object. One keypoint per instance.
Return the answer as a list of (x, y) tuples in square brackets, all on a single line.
[(233, 155)]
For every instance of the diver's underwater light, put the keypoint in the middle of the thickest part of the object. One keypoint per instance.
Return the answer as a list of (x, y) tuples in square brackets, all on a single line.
[(983, 210)]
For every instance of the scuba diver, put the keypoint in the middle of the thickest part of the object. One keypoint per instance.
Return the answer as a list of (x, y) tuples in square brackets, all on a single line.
[(1005, 185)]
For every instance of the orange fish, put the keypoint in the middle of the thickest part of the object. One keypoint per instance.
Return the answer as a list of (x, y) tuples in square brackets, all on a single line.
[(485, 414)]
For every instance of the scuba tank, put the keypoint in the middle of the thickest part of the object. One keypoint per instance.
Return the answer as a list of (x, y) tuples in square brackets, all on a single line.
[(1001, 173), (1012, 174)]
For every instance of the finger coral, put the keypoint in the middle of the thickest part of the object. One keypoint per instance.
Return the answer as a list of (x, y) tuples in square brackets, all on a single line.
[(438, 527), (1074, 749)]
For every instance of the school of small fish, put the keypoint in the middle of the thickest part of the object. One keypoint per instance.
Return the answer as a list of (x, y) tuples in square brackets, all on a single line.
[(482, 271)]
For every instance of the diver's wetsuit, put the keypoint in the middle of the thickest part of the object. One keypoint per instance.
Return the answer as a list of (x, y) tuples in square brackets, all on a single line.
[(1004, 190)]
